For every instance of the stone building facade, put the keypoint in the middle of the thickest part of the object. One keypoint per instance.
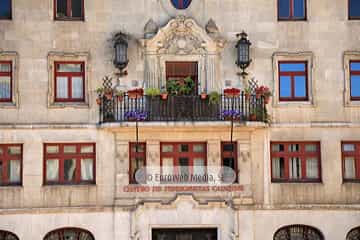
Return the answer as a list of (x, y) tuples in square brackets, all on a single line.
[(276, 196)]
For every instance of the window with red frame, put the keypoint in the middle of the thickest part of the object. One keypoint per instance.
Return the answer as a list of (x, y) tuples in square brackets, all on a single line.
[(69, 9), (183, 159), (351, 161), (229, 159), (293, 81), (69, 163), (69, 81), (10, 164), (355, 80), (295, 162), (292, 10), (137, 159), (5, 81)]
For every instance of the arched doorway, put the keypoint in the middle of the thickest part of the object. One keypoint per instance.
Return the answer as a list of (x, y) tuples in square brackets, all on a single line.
[(354, 234), (298, 232), (5, 235), (69, 234)]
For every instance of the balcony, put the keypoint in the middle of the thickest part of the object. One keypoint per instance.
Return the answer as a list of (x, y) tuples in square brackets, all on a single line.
[(182, 108)]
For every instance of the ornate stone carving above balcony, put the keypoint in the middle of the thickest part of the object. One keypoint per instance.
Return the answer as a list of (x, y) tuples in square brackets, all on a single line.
[(182, 39)]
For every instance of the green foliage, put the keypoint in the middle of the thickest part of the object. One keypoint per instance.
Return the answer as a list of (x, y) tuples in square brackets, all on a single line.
[(214, 97), (175, 87), (99, 90), (152, 92)]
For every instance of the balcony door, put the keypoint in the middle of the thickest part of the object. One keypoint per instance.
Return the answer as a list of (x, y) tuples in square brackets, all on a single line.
[(180, 70), (185, 234)]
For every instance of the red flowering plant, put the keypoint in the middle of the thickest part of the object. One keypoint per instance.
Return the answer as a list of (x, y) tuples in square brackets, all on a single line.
[(136, 93), (263, 91), (232, 92)]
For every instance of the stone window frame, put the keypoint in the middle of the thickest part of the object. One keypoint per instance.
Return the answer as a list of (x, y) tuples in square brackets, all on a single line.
[(68, 57), (349, 56), (12, 57), (294, 56)]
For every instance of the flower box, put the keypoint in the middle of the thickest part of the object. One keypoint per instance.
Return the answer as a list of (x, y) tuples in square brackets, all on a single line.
[(232, 92), (136, 93)]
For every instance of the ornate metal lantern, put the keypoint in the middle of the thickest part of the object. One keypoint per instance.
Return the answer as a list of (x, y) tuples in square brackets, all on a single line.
[(121, 46), (243, 52)]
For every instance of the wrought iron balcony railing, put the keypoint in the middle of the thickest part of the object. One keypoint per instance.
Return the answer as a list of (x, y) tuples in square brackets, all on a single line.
[(182, 108)]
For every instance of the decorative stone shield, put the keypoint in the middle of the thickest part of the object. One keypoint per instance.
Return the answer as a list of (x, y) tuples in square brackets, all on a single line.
[(181, 4)]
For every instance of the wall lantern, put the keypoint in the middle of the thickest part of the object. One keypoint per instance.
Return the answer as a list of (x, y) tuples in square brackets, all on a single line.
[(121, 58), (243, 52)]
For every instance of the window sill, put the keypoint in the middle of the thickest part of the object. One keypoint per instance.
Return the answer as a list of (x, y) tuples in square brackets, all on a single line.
[(302, 104), (345, 181), (292, 20), (69, 105), (352, 103), (69, 19), (294, 182), (60, 185), (8, 105)]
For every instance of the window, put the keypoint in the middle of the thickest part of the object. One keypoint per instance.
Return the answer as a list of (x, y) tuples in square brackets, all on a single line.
[(295, 162), (298, 232), (5, 235), (69, 234), (69, 81), (354, 9), (5, 9), (351, 161), (293, 81), (5, 81), (292, 10), (137, 159), (354, 234), (10, 164), (355, 80), (184, 160), (229, 159), (69, 9), (69, 163)]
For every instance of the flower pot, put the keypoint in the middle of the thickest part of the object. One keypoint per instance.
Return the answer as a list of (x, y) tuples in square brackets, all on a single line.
[(133, 95), (267, 100), (120, 98), (164, 96), (258, 95), (252, 117), (98, 101), (108, 96), (203, 96), (247, 96)]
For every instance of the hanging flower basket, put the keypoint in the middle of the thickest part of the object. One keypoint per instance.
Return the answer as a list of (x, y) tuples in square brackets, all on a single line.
[(203, 95), (164, 96), (232, 92)]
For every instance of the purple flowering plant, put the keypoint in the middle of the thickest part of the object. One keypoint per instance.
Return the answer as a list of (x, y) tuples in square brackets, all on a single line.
[(235, 114), (136, 115)]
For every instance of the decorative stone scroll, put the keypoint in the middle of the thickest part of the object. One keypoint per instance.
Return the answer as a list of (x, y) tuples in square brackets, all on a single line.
[(182, 39)]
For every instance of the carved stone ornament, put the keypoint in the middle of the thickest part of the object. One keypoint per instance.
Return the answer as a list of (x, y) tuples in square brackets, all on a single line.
[(182, 39)]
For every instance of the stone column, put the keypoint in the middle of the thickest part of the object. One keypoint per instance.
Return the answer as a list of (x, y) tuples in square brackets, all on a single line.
[(212, 73), (244, 163), (121, 164), (151, 71)]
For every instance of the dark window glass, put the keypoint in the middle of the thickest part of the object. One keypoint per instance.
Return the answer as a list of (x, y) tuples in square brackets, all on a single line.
[(354, 8), (61, 8), (137, 160), (76, 7), (284, 8), (69, 234), (5, 9), (299, 9), (293, 81)]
